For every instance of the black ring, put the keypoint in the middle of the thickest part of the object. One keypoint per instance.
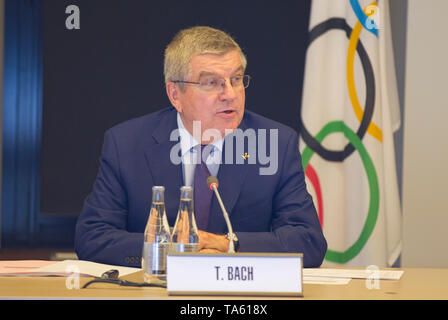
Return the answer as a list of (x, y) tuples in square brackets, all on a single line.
[(339, 156)]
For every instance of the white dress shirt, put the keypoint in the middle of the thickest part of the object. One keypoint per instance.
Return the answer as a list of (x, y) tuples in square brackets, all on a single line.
[(189, 151)]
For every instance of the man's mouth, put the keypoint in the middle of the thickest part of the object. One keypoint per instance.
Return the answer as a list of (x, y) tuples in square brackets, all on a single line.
[(228, 111)]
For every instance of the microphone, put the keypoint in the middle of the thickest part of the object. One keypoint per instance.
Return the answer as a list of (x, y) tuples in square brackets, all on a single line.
[(212, 183)]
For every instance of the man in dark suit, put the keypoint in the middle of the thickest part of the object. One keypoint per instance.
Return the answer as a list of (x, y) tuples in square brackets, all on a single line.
[(269, 206)]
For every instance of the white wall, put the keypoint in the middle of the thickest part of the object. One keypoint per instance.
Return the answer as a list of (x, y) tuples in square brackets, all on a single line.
[(425, 153)]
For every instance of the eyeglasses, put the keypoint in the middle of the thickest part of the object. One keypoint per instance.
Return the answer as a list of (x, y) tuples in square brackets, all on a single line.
[(212, 84)]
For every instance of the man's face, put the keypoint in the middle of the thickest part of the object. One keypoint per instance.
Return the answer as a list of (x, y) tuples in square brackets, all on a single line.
[(215, 110)]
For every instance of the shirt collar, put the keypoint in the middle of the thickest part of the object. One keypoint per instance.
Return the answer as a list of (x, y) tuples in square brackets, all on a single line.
[(187, 141)]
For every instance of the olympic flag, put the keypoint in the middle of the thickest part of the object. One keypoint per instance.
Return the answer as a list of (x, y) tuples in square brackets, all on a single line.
[(349, 113)]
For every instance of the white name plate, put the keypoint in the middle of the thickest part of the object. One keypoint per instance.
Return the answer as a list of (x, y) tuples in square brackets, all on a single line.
[(265, 274)]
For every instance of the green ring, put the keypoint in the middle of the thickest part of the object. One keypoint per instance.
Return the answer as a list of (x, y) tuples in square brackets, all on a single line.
[(372, 215)]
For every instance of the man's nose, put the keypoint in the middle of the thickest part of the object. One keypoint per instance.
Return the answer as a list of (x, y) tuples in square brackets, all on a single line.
[(228, 91)]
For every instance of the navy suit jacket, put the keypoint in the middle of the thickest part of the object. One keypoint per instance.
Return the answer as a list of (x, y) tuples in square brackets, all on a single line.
[(269, 213)]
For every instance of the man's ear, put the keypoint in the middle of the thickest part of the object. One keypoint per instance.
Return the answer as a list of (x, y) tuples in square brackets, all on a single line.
[(173, 91)]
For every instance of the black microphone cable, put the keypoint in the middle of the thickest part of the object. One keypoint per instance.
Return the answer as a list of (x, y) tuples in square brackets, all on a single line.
[(124, 283), (111, 276)]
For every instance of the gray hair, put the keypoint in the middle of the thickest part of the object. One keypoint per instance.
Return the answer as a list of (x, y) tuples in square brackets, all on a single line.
[(192, 41)]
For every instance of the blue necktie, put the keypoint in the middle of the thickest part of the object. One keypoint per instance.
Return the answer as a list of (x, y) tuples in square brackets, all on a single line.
[(202, 194)]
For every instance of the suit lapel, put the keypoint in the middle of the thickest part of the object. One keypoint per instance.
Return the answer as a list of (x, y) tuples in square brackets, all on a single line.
[(163, 171), (231, 177)]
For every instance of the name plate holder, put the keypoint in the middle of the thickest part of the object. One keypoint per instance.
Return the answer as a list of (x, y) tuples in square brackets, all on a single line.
[(255, 274)]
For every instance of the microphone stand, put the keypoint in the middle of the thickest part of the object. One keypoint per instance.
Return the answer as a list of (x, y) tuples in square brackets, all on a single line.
[(226, 217)]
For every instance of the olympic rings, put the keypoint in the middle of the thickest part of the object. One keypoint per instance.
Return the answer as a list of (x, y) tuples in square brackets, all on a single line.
[(314, 144)]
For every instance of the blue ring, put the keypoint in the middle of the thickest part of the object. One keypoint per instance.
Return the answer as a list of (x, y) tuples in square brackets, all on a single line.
[(363, 18)]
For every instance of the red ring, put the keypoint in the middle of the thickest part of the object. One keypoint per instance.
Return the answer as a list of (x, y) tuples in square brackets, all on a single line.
[(312, 176)]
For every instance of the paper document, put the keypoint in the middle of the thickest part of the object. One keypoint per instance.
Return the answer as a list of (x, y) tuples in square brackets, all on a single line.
[(86, 268), (325, 280), (353, 273), (21, 267), (42, 268)]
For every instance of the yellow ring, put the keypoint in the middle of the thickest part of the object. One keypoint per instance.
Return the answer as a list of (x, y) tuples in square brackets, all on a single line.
[(373, 129)]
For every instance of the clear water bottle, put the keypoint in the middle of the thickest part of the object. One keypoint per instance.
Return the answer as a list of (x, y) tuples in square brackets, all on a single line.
[(156, 239), (185, 233)]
